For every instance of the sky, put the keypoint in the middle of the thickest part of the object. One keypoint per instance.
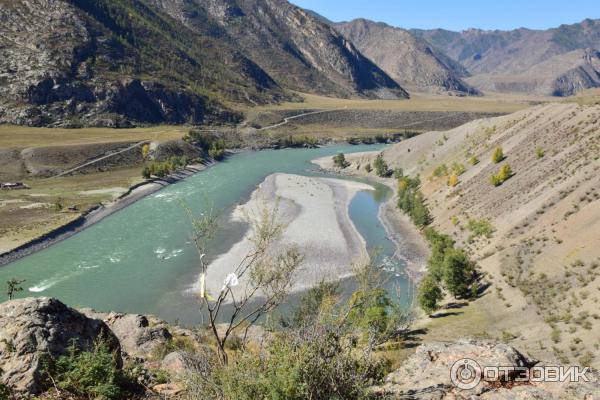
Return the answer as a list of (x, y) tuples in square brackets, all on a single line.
[(457, 15)]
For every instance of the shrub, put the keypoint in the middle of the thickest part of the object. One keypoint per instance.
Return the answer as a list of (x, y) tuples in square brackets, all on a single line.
[(498, 155), (440, 170), (473, 160), (430, 294), (398, 173), (505, 173), (339, 160), (453, 180), (315, 363), (146, 174), (381, 167), (495, 180), (539, 152), (88, 374), (458, 168), (216, 151), (480, 227), (368, 168)]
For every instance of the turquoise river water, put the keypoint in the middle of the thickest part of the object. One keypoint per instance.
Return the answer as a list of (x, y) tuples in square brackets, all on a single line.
[(140, 259)]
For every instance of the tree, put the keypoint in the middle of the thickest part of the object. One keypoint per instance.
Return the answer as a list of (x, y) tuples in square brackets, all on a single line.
[(13, 286), (398, 173), (505, 173), (420, 213), (430, 294), (539, 152), (381, 167), (453, 180), (146, 174), (145, 151), (473, 160), (368, 168), (498, 155), (458, 272), (339, 160), (265, 274)]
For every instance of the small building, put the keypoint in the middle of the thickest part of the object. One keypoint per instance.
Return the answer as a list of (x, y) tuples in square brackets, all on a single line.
[(13, 185)]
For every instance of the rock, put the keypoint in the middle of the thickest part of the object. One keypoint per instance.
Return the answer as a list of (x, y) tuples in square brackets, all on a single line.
[(31, 327), (179, 362), (137, 335), (167, 389), (427, 375)]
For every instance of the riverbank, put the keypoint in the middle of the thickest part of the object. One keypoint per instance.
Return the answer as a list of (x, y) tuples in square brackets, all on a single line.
[(304, 204), (411, 246), (97, 213)]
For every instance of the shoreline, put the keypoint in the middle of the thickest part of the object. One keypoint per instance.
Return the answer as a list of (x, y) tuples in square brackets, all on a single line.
[(97, 213), (410, 243)]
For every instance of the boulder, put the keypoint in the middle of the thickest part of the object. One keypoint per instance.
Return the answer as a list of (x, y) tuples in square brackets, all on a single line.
[(32, 327), (426, 375), (139, 335)]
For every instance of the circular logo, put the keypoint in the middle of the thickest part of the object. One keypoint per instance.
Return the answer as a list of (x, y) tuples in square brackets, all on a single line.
[(465, 374)]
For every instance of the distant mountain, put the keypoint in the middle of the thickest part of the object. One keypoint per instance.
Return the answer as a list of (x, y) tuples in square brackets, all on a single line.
[(558, 61), (118, 62), (410, 60)]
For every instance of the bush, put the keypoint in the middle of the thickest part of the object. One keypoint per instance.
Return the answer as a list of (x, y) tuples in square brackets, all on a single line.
[(480, 227), (381, 167), (87, 374), (313, 364), (498, 155), (453, 180), (539, 152), (339, 160), (473, 160), (503, 175), (430, 294), (440, 170), (368, 168), (458, 168), (398, 173)]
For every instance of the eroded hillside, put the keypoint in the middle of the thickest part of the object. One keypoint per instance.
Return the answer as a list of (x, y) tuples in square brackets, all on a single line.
[(536, 236)]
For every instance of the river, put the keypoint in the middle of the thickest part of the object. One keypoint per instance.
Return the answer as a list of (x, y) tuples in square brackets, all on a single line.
[(140, 259)]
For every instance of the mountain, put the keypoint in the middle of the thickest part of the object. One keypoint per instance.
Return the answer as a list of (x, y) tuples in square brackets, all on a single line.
[(124, 62), (410, 60), (296, 47), (559, 61)]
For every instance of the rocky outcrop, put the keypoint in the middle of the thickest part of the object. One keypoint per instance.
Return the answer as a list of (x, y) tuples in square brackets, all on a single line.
[(428, 375), (411, 61), (31, 328)]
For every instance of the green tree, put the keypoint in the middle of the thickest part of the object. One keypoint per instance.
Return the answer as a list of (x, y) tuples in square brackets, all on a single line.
[(381, 167), (498, 155), (505, 173), (13, 286), (420, 213), (339, 160), (430, 294), (473, 160), (458, 272), (146, 174)]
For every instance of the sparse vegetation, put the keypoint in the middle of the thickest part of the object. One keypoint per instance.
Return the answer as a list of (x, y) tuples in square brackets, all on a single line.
[(381, 168), (13, 286), (539, 152), (164, 168), (480, 227), (473, 160), (502, 176), (497, 155), (339, 160)]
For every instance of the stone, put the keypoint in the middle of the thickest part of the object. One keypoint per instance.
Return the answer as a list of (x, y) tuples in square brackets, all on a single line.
[(34, 326)]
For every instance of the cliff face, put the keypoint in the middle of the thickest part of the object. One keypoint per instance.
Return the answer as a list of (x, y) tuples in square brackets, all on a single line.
[(411, 61), (297, 49)]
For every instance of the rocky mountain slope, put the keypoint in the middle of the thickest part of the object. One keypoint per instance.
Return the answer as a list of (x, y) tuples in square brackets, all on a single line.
[(298, 49), (559, 61), (113, 63), (410, 60), (534, 235)]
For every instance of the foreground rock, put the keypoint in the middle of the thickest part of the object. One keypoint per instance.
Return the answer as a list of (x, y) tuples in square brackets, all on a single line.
[(31, 327), (427, 375)]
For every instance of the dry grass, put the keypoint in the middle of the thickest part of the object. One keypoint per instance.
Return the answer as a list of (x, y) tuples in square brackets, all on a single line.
[(20, 137), (418, 102)]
